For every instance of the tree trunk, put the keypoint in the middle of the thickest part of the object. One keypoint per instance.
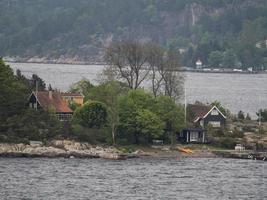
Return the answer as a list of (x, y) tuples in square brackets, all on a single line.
[(113, 136), (136, 138)]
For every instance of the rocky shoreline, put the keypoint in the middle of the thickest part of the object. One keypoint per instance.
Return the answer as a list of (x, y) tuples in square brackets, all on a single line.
[(73, 149), (60, 148)]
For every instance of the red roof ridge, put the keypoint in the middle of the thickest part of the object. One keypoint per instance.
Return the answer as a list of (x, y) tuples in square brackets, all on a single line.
[(56, 102)]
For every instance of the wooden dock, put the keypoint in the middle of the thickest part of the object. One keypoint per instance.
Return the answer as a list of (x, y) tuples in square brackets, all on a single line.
[(252, 155)]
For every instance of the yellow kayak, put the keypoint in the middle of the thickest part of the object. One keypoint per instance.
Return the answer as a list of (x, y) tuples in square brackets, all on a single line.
[(185, 150)]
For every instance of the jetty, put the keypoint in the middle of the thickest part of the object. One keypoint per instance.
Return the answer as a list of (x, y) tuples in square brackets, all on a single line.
[(248, 154)]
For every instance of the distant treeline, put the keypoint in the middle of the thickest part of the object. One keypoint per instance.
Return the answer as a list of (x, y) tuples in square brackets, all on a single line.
[(224, 33)]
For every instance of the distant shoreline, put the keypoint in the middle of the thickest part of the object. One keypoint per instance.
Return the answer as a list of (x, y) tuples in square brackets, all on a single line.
[(56, 63), (223, 71)]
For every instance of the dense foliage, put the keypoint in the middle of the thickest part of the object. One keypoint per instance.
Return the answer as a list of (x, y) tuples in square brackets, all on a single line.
[(262, 114), (143, 117), (224, 33), (92, 114), (13, 92), (131, 116), (17, 122)]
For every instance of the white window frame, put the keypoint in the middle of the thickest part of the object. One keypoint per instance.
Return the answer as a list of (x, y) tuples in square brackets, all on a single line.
[(215, 124), (194, 136), (214, 112)]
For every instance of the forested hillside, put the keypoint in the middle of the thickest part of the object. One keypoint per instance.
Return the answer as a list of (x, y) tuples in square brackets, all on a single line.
[(222, 33)]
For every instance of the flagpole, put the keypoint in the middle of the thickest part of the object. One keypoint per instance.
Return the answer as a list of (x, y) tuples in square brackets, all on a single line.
[(185, 105), (36, 90)]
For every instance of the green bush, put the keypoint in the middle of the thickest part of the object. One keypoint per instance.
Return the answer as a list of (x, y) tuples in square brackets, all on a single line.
[(123, 141), (92, 114), (90, 135), (13, 139), (218, 133), (237, 133), (224, 142), (31, 125)]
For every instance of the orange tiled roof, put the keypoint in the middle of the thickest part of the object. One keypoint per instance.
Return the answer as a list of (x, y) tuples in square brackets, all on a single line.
[(56, 102)]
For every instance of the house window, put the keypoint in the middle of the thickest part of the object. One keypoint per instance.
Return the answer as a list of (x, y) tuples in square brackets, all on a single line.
[(64, 117), (193, 136), (214, 112), (215, 124)]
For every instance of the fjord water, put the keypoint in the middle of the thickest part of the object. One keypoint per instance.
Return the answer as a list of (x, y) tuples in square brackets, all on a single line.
[(246, 92), (186, 178)]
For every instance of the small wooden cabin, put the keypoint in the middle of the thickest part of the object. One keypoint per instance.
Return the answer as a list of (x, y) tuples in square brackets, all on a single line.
[(50, 101), (192, 135)]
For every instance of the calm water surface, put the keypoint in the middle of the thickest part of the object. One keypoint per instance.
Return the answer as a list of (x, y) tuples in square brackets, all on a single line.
[(246, 92), (25, 178)]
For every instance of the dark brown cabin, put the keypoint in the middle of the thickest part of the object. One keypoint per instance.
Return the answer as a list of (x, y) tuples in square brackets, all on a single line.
[(207, 116)]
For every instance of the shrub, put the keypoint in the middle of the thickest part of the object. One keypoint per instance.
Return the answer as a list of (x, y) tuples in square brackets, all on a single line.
[(90, 135), (241, 115), (92, 114), (224, 142), (218, 133)]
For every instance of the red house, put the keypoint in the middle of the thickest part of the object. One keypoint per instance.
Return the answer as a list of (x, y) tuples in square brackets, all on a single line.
[(51, 101)]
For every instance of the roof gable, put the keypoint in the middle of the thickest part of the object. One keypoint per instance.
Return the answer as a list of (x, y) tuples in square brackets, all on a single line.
[(215, 107), (202, 111)]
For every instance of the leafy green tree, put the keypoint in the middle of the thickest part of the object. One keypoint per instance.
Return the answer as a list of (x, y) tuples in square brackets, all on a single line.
[(224, 111), (171, 114), (30, 124), (36, 81), (13, 92), (141, 115), (215, 59), (262, 114), (73, 105), (109, 93), (131, 111), (241, 115), (84, 87), (149, 124), (17, 122), (248, 117), (22, 78), (229, 59), (92, 114)]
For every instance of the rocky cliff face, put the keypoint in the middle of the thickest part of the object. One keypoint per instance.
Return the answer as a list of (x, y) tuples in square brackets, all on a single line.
[(67, 46)]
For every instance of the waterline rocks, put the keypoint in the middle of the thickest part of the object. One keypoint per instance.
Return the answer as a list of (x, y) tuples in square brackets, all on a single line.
[(60, 148)]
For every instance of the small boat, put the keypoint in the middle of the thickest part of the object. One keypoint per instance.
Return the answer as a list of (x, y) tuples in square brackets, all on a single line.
[(185, 150)]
